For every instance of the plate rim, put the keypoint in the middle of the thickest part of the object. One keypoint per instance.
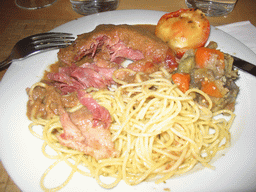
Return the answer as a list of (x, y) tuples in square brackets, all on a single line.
[(16, 67)]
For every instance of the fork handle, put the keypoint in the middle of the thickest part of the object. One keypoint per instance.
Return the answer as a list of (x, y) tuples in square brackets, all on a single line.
[(5, 63)]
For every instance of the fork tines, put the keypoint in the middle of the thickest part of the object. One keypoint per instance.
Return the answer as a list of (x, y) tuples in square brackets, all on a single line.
[(51, 40), (35, 44)]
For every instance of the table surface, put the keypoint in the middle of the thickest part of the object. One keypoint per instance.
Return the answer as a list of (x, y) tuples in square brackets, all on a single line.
[(17, 23)]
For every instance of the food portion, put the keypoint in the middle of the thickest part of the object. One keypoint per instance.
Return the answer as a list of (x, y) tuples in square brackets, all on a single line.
[(211, 71), (183, 30), (110, 45), (156, 117)]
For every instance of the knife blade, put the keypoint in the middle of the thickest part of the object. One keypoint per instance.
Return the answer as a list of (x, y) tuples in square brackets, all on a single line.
[(244, 65)]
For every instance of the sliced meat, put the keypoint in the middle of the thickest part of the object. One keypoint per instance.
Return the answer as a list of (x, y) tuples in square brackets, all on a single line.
[(121, 50), (70, 79), (105, 72), (80, 134), (65, 83), (100, 114)]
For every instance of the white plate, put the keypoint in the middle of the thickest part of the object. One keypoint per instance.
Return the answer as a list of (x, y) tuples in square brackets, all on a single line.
[(21, 152)]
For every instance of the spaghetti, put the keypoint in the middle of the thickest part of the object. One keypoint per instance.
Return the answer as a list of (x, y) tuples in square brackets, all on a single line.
[(158, 130)]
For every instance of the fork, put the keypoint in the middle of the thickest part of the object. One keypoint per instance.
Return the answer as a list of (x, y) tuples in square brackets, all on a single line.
[(36, 44)]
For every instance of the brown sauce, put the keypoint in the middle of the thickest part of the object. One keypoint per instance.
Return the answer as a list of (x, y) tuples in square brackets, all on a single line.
[(150, 28), (53, 68)]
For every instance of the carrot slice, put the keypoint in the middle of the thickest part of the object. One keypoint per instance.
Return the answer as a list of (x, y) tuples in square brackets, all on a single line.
[(182, 80), (211, 89), (204, 54)]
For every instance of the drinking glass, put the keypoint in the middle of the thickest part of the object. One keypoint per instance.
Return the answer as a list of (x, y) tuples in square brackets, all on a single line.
[(34, 4), (87, 7), (212, 8)]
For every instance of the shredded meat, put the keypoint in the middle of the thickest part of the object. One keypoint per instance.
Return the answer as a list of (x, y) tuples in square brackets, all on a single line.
[(116, 43), (73, 78)]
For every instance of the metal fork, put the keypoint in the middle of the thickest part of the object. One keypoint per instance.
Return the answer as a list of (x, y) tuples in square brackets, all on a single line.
[(35, 44)]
